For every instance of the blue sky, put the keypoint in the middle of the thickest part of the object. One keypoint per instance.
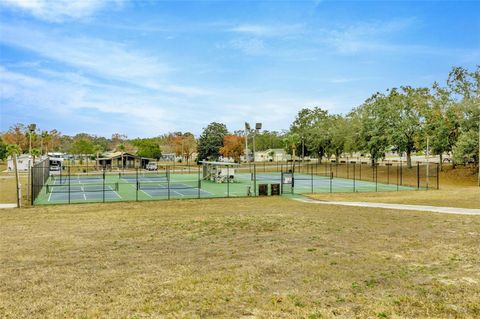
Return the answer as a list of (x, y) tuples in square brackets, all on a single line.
[(144, 68)]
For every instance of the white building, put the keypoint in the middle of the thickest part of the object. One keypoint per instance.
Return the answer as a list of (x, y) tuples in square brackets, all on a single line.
[(272, 155), (22, 163)]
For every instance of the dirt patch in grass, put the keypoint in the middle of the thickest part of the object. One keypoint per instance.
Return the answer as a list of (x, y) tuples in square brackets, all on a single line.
[(231, 258), (464, 197)]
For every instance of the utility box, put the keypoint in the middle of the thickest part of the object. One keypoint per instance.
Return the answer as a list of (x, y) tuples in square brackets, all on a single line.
[(275, 189), (263, 190)]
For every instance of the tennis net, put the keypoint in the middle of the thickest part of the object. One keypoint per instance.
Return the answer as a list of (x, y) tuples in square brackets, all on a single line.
[(154, 176), (266, 177), (172, 185)]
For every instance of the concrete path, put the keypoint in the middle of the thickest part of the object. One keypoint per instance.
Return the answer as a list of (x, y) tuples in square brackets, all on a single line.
[(434, 209), (8, 206)]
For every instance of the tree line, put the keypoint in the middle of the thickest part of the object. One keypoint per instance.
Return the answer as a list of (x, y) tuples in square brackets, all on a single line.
[(402, 120)]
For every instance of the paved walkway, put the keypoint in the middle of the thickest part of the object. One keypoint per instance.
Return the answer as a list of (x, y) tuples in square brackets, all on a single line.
[(434, 209), (8, 205)]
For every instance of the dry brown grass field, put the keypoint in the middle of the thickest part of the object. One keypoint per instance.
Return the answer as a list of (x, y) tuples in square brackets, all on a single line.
[(458, 188), (7, 186), (242, 258), (464, 197), (237, 258)]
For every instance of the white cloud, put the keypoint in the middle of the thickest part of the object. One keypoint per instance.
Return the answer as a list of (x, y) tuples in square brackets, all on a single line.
[(366, 36), (265, 30), (249, 46), (59, 10), (110, 60), (72, 104), (104, 58)]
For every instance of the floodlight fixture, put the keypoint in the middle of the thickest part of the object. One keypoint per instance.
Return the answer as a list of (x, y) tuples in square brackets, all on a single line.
[(258, 126), (247, 126)]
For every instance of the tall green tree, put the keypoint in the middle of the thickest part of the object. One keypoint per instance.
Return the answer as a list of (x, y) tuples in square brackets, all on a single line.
[(465, 87), (404, 115), (466, 148), (82, 145), (374, 129), (311, 125), (148, 148), (266, 140), (211, 141), (442, 122), (290, 142), (338, 131)]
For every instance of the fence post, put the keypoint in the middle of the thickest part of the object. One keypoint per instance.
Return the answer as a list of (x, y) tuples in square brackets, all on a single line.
[(438, 176), (354, 178), (348, 175), (311, 175), (401, 173), (138, 185), (388, 173), (331, 178), (254, 179), (103, 188), (69, 177), (228, 181), (31, 185), (376, 176), (373, 172), (199, 181), (168, 181), (360, 173), (397, 175), (418, 175)]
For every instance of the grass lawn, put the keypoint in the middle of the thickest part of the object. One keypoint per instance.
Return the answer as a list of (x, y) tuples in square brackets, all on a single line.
[(231, 258), (8, 188), (465, 197)]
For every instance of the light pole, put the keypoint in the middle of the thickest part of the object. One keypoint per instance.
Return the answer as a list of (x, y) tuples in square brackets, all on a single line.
[(247, 130), (258, 127), (31, 129)]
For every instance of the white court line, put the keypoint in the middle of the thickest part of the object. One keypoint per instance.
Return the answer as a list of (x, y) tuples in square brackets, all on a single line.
[(178, 193), (84, 196), (111, 190), (146, 193), (118, 195), (135, 187)]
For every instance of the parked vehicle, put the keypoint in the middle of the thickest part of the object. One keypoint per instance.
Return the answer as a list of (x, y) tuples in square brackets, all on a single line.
[(152, 166)]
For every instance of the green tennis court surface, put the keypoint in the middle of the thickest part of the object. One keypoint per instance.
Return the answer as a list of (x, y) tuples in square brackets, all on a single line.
[(154, 186)]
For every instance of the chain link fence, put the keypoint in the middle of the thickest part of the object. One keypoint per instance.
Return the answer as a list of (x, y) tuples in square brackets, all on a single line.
[(93, 184)]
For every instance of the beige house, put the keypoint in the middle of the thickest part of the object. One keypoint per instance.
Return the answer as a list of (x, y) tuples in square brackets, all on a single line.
[(272, 155), (114, 160)]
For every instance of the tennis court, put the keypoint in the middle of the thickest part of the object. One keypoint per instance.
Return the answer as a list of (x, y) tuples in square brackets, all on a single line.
[(138, 186), (81, 192)]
